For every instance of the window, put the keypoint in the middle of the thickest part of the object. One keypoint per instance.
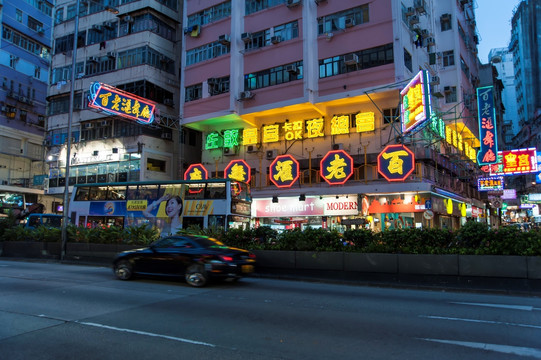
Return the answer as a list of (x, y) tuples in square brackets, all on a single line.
[(273, 76), (253, 6), (448, 58), (218, 86), (145, 55), (194, 92), (450, 94), (365, 59), (37, 72), (147, 22), (343, 19), (391, 115), (464, 67), (19, 15), (155, 165), (259, 39), (211, 14), (25, 43), (446, 23), (206, 52), (59, 15), (408, 60), (34, 24)]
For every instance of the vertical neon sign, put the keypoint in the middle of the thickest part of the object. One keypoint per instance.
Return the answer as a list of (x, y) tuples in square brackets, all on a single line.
[(487, 126)]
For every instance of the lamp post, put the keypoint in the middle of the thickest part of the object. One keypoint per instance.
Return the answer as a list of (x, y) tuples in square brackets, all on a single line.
[(65, 211)]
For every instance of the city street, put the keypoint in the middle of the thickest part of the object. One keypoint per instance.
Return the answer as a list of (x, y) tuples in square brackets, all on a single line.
[(61, 311)]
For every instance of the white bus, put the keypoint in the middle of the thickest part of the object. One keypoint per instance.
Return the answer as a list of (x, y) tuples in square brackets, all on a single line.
[(168, 205)]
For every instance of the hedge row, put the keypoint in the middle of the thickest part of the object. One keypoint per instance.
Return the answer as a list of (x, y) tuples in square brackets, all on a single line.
[(472, 238)]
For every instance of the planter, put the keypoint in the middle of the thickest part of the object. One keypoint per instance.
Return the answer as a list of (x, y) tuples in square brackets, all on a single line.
[(23, 249), (425, 264), (275, 259), (319, 260), (534, 267), (374, 263), (493, 266)]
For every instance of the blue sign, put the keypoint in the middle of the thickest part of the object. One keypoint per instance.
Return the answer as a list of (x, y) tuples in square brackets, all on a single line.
[(428, 204), (538, 178), (487, 126)]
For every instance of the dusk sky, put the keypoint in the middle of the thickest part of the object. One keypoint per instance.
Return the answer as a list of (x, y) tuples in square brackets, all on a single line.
[(494, 24)]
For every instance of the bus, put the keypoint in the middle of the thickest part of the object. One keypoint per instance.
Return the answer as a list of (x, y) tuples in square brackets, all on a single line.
[(167, 205)]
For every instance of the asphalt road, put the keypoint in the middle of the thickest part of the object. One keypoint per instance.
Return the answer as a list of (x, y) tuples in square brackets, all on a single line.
[(60, 311)]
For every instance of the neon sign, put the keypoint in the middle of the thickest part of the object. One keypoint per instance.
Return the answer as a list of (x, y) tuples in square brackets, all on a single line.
[(490, 183), (396, 162), (415, 108), (284, 171), (238, 170), (487, 126), (118, 102), (336, 167), (520, 161)]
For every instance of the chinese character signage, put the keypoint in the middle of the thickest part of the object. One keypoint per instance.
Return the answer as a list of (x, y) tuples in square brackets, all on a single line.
[(365, 122), (415, 108), (487, 126), (396, 162), (196, 172), (118, 102), (490, 184), (237, 170), (519, 161), (284, 171), (336, 167)]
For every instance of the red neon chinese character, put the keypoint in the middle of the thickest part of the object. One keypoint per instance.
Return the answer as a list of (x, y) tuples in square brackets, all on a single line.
[(489, 156), (489, 139), (486, 123)]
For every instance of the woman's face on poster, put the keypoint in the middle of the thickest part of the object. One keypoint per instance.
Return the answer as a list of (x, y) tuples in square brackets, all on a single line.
[(173, 207)]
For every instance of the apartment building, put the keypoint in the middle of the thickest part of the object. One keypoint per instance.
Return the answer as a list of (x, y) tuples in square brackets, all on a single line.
[(25, 56), (304, 100)]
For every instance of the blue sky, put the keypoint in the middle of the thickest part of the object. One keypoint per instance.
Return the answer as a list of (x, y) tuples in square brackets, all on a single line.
[(493, 24)]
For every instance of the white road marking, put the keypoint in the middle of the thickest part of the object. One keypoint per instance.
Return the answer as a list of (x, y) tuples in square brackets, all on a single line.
[(147, 334), (481, 321), (501, 306), (506, 349)]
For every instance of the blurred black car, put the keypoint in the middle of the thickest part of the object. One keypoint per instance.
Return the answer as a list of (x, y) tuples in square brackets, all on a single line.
[(197, 258)]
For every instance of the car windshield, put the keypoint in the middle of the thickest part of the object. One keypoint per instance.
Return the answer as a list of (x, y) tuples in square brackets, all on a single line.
[(208, 242)]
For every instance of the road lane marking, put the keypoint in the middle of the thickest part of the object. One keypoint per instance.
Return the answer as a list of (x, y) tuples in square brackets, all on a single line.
[(146, 334), (501, 306), (506, 349), (480, 321)]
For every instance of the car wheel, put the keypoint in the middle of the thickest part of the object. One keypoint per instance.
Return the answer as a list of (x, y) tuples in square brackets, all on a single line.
[(196, 276), (123, 270)]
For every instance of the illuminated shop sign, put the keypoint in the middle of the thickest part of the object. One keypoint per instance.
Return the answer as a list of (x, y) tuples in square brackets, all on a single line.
[(490, 183), (415, 108), (284, 171), (538, 178), (509, 194), (513, 162), (312, 206), (487, 126), (196, 172), (336, 167), (396, 162), (118, 102), (237, 170), (291, 130), (437, 125), (534, 198)]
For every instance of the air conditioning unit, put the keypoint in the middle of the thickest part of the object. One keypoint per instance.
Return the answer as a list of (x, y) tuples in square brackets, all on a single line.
[(229, 151), (410, 11), (420, 6), (276, 39), (338, 146), (93, 59), (430, 41), (88, 126), (128, 19), (414, 19), (166, 136), (246, 37), (447, 89), (351, 59), (246, 95), (434, 80), (292, 69), (425, 33), (271, 154), (292, 3), (349, 21), (111, 55), (168, 102), (41, 31), (224, 39), (251, 149)]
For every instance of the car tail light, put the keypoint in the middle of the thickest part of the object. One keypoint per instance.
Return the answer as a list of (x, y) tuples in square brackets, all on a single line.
[(226, 258), (252, 256)]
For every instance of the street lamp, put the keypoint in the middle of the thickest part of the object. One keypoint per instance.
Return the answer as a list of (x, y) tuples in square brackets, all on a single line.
[(65, 210)]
